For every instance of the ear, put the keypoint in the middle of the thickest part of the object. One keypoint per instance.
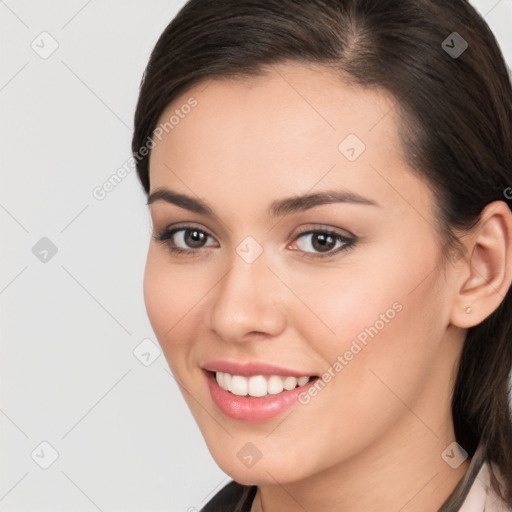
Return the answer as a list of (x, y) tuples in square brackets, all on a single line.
[(486, 274)]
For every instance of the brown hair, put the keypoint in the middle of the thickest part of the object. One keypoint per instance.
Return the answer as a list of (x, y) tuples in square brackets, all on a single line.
[(457, 130)]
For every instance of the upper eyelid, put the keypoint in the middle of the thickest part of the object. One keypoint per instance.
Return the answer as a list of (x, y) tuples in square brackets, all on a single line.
[(177, 228), (312, 228)]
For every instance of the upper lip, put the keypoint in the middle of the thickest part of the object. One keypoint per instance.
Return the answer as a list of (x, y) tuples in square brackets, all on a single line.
[(250, 369)]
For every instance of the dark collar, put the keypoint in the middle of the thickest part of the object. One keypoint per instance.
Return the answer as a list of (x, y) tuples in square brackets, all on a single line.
[(459, 494)]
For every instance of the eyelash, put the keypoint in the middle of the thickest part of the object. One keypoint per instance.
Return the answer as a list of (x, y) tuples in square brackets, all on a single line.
[(165, 237)]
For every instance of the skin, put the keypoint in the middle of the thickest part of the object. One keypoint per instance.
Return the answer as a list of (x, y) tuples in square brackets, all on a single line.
[(372, 439)]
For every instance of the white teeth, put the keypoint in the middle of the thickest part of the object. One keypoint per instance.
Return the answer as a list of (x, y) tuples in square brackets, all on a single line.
[(290, 383), (302, 380), (238, 385), (258, 385), (226, 380), (275, 385)]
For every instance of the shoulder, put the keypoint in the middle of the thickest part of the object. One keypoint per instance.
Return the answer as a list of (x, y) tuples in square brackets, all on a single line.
[(482, 497), (232, 497)]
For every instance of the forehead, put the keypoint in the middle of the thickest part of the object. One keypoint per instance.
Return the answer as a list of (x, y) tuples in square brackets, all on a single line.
[(290, 96), (292, 129)]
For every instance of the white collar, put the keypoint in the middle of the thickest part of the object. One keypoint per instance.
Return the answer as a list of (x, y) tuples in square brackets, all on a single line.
[(481, 496)]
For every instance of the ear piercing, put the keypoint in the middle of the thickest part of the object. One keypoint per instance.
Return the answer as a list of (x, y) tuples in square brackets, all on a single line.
[(468, 309)]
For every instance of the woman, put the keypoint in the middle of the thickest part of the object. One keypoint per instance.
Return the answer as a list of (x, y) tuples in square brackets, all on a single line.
[(330, 269)]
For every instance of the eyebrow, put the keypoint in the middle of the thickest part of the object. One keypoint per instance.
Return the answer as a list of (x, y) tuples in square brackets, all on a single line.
[(278, 208)]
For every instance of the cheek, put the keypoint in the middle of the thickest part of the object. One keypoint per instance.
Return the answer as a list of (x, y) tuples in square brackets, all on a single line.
[(169, 296), (388, 325)]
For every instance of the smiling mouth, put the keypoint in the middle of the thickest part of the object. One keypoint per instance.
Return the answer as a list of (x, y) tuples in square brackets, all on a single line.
[(259, 385)]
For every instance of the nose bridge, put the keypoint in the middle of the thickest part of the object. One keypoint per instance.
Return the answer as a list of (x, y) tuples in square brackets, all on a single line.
[(247, 297)]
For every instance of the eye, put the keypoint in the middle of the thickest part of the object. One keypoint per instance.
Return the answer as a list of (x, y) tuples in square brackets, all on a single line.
[(183, 239), (324, 241), (189, 240)]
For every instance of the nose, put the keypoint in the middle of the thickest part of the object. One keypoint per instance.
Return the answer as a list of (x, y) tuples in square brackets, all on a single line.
[(247, 303)]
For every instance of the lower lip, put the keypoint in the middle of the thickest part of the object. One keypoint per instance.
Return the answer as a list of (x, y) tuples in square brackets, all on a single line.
[(253, 409)]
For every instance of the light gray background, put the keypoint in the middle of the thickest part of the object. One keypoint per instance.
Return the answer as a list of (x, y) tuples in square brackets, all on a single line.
[(125, 438)]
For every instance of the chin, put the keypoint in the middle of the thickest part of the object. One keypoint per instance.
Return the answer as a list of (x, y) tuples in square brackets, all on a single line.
[(264, 472)]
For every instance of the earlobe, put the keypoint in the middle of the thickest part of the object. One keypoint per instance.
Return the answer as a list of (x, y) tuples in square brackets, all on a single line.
[(487, 273)]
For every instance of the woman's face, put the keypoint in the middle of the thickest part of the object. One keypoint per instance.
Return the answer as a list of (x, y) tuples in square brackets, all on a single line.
[(367, 304)]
